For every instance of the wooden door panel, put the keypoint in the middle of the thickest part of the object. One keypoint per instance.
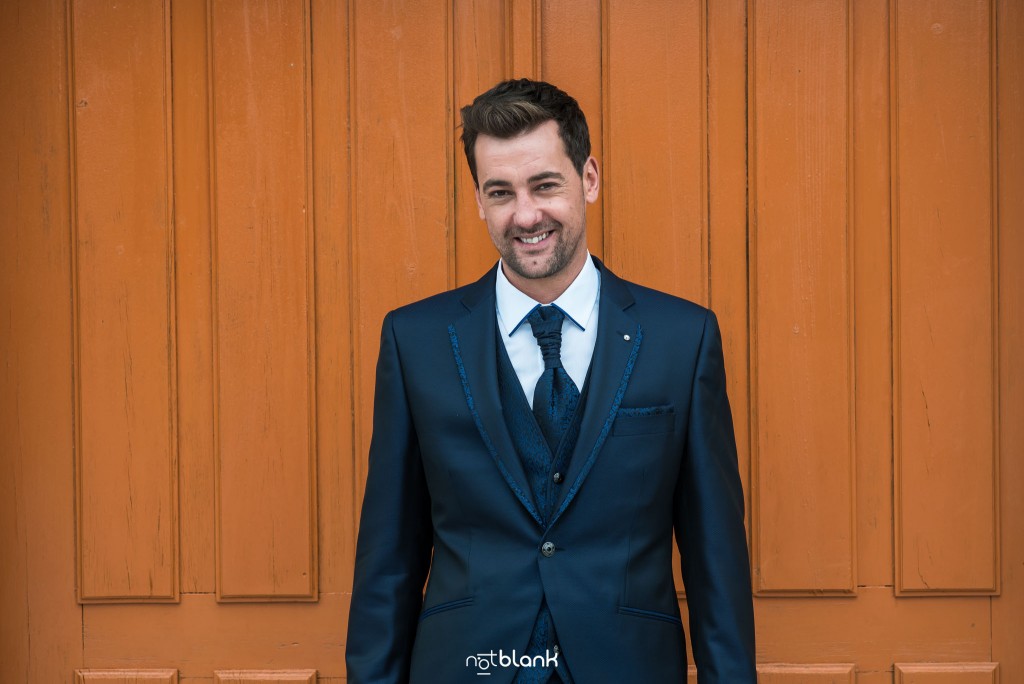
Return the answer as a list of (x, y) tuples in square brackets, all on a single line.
[(126, 677), (209, 206), (945, 326), (263, 677), (806, 674), (264, 316), (667, 132), (123, 288), (40, 619), (802, 338), (947, 673), (1007, 625)]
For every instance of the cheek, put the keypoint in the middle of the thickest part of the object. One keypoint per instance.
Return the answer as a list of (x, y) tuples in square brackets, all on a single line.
[(496, 219)]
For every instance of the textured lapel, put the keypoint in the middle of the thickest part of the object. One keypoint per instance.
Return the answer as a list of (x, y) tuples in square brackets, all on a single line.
[(474, 343), (618, 343)]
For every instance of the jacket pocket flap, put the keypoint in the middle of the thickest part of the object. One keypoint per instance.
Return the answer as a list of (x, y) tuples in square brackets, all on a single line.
[(644, 421)]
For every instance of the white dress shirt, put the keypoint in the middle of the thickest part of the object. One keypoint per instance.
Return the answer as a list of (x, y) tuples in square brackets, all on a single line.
[(579, 303)]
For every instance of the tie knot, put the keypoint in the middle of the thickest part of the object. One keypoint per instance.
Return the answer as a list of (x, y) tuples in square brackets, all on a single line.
[(546, 322)]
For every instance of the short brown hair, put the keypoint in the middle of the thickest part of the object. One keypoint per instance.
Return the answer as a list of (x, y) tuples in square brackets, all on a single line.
[(515, 107)]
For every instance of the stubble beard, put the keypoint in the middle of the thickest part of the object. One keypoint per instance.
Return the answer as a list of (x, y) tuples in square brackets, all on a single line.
[(561, 255)]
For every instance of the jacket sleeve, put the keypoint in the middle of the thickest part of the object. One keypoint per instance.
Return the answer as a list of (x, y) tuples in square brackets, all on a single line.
[(395, 540), (709, 528)]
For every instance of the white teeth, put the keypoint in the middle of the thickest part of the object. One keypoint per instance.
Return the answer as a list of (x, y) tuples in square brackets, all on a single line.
[(535, 239)]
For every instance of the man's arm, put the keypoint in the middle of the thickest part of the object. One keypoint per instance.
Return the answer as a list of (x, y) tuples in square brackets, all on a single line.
[(395, 539), (709, 528)]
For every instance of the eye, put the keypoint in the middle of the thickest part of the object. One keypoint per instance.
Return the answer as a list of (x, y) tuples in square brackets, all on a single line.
[(498, 194)]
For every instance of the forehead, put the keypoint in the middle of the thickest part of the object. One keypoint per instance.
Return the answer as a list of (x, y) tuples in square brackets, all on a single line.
[(538, 149)]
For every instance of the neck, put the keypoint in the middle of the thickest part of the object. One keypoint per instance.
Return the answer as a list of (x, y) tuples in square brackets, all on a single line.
[(546, 290)]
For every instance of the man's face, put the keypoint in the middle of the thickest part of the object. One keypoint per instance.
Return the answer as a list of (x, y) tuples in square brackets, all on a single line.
[(534, 203)]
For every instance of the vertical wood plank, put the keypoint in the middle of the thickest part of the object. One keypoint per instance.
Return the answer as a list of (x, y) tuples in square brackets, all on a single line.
[(124, 302), (727, 210), (263, 308), (1007, 627), (402, 157), (656, 149), (482, 40), (801, 299), (872, 290), (194, 305), (944, 298), (40, 621), (331, 211), (570, 44), (523, 47)]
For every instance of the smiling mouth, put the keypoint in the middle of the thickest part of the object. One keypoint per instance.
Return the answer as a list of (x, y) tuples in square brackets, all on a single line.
[(535, 239)]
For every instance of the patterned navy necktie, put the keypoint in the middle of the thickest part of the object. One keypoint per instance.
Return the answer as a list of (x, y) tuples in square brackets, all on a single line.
[(556, 395)]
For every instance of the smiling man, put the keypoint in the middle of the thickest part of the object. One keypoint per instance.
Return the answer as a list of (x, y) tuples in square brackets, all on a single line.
[(539, 438)]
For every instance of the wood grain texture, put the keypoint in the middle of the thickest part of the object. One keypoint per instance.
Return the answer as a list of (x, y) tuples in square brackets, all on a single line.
[(367, 205), (264, 676), (657, 119), (945, 305), (802, 337), (727, 204), (40, 620), (872, 292), (126, 406), (485, 48), (126, 677), (193, 286), (1007, 608), (264, 360), (332, 205), (874, 629), (200, 634), (402, 151), (571, 39), (793, 673), (947, 673)]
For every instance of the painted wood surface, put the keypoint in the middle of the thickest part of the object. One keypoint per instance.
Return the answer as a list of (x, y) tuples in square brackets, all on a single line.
[(209, 207)]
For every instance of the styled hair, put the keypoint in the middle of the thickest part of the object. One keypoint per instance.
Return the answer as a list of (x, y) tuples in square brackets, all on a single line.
[(515, 107)]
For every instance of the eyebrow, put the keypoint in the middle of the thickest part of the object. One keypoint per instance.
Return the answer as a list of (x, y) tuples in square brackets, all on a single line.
[(544, 175)]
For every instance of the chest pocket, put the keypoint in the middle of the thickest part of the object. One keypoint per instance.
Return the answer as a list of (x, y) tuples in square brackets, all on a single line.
[(644, 421)]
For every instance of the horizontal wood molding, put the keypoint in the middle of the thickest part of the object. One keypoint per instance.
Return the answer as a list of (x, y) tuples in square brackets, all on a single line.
[(264, 676), (946, 673), (126, 676), (818, 673)]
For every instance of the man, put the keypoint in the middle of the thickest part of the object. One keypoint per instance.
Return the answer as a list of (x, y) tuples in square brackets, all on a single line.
[(537, 437)]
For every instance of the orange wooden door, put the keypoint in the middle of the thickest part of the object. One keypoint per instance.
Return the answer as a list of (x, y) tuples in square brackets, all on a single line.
[(209, 205)]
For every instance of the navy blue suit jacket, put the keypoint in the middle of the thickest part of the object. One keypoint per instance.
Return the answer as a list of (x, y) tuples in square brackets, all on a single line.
[(446, 495)]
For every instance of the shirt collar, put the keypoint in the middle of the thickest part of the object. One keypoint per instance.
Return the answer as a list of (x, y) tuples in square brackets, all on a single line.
[(577, 302)]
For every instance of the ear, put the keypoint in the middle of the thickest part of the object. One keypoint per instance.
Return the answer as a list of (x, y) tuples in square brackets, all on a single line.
[(479, 201), (591, 180)]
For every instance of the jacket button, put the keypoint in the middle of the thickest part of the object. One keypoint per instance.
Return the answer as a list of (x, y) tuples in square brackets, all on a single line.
[(548, 549), (558, 478)]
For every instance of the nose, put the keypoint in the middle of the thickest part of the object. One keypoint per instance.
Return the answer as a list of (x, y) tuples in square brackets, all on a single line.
[(527, 212)]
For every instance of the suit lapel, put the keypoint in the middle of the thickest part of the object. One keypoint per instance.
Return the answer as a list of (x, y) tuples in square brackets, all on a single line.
[(618, 343), (474, 343)]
